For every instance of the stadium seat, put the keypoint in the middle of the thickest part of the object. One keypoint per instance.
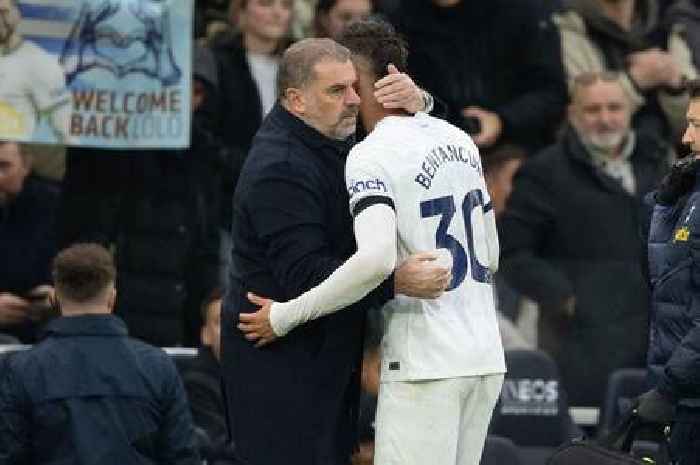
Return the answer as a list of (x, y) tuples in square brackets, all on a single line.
[(500, 451), (624, 386), (533, 410)]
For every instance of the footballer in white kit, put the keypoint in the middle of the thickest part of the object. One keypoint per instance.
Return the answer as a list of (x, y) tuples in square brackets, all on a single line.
[(416, 184), (32, 83)]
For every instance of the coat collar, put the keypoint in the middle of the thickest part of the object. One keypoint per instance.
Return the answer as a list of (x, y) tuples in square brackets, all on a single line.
[(308, 135), (641, 160), (86, 325)]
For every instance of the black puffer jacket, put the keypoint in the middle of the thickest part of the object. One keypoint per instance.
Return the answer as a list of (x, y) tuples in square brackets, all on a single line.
[(500, 55), (674, 267)]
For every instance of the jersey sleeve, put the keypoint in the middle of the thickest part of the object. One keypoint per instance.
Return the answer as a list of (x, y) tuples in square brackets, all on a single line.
[(367, 181)]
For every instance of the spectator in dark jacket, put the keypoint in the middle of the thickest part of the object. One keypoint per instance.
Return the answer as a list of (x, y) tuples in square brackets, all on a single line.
[(674, 265), (160, 210), (291, 230), (27, 220), (203, 378), (87, 393), (570, 238), (495, 64), (247, 63)]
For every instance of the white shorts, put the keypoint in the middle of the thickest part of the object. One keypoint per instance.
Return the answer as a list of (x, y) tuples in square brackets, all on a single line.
[(442, 422)]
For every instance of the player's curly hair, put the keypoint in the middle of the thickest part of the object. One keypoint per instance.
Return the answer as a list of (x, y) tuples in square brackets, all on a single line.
[(376, 41)]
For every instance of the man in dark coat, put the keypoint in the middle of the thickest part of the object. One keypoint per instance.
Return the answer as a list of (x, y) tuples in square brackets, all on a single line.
[(495, 64), (571, 239), (87, 393), (674, 266), (296, 401), (160, 210), (28, 207)]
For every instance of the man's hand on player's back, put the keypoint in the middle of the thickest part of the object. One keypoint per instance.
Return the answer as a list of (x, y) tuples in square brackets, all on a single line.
[(421, 275)]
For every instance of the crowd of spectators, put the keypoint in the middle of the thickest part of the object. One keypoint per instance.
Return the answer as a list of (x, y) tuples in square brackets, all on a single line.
[(577, 106)]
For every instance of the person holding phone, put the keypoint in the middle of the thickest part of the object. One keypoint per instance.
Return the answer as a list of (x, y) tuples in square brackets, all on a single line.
[(27, 210)]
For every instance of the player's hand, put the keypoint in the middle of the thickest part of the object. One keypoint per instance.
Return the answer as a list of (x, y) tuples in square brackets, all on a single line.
[(256, 326), (422, 276), (397, 90), (491, 126)]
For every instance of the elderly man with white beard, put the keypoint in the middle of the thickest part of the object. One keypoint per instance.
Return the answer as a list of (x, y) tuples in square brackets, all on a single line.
[(571, 242)]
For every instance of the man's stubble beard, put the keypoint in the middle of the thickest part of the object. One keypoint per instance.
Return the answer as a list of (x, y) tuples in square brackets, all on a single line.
[(345, 116)]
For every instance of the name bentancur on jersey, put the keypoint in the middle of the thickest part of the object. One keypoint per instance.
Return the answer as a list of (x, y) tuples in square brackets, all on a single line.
[(434, 160), (440, 156)]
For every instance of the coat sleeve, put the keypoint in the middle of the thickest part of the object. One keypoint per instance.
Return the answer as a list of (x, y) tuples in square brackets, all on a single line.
[(682, 371), (526, 224), (176, 440), (15, 429), (287, 213)]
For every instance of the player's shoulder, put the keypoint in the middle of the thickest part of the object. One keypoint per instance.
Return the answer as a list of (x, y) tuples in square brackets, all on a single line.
[(29, 48)]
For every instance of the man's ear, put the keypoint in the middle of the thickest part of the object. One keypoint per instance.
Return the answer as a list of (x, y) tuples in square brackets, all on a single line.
[(296, 100)]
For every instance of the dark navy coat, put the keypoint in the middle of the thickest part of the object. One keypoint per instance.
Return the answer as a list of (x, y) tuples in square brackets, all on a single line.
[(294, 402), (674, 268), (90, 395)]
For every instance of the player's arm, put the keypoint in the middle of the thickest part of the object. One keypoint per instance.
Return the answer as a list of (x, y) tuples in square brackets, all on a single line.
[(372, 207), (374, 261)]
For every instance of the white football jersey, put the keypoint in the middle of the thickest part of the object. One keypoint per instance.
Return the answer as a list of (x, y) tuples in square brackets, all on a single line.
[(31, 82), (430, 172)]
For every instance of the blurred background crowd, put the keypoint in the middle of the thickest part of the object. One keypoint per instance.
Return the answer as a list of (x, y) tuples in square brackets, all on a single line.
[(577, 106)]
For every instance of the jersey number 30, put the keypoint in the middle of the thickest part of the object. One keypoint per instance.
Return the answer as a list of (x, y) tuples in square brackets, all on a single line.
[(445, 207)]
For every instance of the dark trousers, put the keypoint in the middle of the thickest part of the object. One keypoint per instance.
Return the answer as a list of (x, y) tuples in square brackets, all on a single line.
[(685, 443)]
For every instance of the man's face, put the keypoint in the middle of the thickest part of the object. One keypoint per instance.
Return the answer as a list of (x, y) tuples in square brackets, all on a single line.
[(600, 113), (345, 12), (331, 102), (9, 20), (267, 19), (691, 137), (13, 171), (211, 331)]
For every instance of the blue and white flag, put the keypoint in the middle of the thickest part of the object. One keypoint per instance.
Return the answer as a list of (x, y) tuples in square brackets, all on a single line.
[(105, 73)]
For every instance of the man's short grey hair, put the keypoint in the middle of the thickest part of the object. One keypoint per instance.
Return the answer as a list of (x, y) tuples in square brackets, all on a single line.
[(298, 61)]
